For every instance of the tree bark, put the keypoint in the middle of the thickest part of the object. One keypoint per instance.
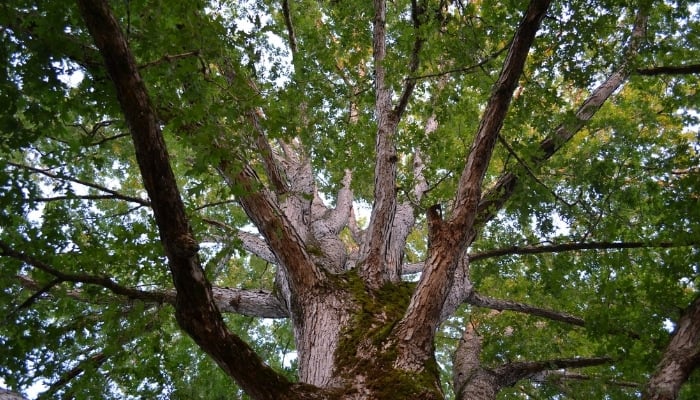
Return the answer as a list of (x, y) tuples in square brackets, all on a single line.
[(447, 239), (196, 309), (680, 359)]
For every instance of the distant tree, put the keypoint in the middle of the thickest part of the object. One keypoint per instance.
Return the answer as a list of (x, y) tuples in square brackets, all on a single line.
[(182, 181)]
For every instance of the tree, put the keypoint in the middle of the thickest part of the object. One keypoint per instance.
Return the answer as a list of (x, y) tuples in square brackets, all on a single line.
[(181, 184)]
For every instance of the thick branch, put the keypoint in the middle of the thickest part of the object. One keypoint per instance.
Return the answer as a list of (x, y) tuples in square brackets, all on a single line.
[(680, 359), (196, 310), (340, 215), (10, 395), (373, 253), (472, 381), (281, 237), (416, 330), (494, 199)]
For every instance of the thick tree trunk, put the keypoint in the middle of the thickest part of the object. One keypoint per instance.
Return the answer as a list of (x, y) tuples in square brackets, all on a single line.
[(343, 342)]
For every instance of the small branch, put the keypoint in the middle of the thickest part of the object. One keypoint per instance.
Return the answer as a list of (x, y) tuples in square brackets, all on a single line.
[(290, 28), (510, 373), (467, 69), (529, 171), (80, 197), (108, 283), (63, 177), (32, 299), (557, 248), (417, 12), (480, 300), (213, 204), (170, 58), (93, 361), (107, 139), (670, 70), (545, 376)]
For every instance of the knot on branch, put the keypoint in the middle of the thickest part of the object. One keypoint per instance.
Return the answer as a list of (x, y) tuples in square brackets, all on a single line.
[(183, 245)]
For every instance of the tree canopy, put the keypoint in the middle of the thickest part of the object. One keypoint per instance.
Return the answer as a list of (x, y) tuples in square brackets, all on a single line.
[(344, 200)]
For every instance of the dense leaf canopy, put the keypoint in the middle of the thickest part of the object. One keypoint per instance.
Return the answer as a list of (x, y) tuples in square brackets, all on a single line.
[(584, 246)]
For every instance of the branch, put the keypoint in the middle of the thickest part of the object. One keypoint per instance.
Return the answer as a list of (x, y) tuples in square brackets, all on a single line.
[(473, 381), (253, 303), (417, 12), (557, 248), (417, 329), (93, 361), (250, 241), (373, 253), (52, 175), (290, 28), (561, 375), (6, 394), (510, 373), (495, 198), (7, 251), (670, 70), (480, 300), (196, 309), (279, 233), (467, 69), (340, 215), (32, 299), (170, 58), (680, 359)]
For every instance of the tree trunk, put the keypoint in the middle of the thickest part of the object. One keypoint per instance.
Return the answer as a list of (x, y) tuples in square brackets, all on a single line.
[(344, 346)]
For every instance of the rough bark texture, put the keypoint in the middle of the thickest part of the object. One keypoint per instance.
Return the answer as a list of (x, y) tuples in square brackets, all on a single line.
[(196, 309), (680, 359), (448, 239)]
